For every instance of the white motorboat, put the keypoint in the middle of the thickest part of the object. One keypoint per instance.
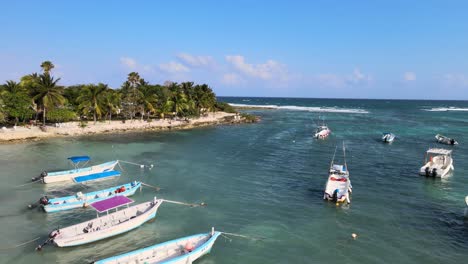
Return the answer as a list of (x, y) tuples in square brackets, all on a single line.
[(437, 163), (388, 137), (338, 188), (445, 140)]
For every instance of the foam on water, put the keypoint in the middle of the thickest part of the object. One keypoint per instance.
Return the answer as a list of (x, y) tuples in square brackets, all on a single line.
[(445, 109), (305, 108)]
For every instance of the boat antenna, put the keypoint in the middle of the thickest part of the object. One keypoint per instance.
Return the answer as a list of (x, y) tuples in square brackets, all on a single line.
[(333, 159), (344, 156)]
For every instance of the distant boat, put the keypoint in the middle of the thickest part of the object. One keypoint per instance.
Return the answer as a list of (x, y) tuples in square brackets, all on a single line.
[(388, 137), (81, 200), (338, 187), (69, 175), (106, 226), (179, 251), (445, 140), (466, 200), (438, 163), (322, 132)]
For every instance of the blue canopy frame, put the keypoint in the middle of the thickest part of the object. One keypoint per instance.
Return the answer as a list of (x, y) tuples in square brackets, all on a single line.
[(76, 159)]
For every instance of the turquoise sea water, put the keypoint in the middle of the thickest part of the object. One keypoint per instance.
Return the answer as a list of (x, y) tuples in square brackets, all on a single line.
[(267, 179)]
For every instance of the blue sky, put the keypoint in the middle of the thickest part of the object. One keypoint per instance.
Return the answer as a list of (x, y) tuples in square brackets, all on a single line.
[(339, 49)]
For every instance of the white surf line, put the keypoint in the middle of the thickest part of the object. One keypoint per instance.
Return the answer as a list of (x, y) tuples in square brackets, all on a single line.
[(446, 109), (305, 108)]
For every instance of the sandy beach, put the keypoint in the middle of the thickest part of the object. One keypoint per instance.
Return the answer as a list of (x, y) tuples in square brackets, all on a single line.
[(74, 129)]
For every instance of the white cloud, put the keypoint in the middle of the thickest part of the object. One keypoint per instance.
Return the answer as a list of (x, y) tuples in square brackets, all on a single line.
[(173, 67), (409, 76), (128, 62), (231, 79), (196, 61), (357, 77), (455, 79), (266, 71)]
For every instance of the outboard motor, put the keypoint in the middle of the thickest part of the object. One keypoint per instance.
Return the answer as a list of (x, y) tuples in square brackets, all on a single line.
[(427, 171), (54, 233), (40, 177), (335, 196), (434, 172), (44, 200)]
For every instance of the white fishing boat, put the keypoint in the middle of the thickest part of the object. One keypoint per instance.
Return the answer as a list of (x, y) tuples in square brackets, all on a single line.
[(322, 131), (437, 163), (388, 137), (466, 200), (338, 188), (79, 170), (106, 226), (179, 251), (82, 200), (445, 140)]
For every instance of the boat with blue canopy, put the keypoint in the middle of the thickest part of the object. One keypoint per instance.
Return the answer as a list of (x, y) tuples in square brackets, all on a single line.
[(79, 163), (82, 200), (182, 250)]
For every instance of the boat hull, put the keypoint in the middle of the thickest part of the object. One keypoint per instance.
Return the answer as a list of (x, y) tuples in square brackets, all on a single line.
[(107, 231), (69, 175), (71, 202), (155, 254)]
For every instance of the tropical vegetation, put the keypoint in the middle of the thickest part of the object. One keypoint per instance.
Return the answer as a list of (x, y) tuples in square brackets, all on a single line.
[(39, 97)]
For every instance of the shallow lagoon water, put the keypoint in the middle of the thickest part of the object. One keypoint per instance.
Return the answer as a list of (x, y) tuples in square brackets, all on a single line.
[(266, 180)]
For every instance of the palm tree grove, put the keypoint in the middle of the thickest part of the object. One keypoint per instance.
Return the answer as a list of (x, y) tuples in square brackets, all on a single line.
[(39, 98)]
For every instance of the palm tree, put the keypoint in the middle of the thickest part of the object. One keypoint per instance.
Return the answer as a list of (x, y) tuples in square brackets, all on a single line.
[(91, 99), (47, 66), (148, 99), (49, 94), (112, 101), (178, 100)]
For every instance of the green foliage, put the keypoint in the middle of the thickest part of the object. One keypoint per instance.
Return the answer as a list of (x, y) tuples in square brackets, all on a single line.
[(61, 115), (40, 95), (225, 107)]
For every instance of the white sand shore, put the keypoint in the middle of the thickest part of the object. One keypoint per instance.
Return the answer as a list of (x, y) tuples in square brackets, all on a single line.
[(74, 129)]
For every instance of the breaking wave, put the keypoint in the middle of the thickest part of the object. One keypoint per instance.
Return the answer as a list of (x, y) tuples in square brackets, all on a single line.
[(445, 109), (305, 108)]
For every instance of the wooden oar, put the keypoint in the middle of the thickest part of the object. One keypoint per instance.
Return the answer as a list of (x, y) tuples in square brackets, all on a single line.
[(151, 186), (182, 203)]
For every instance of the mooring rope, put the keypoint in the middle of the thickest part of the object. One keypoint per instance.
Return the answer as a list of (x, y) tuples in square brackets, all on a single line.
[(28, 183), (243, 236), (182, 203), (22, 244), (151, 186), (141, 165)]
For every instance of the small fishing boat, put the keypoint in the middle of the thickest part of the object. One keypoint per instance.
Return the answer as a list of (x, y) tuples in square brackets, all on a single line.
[(466, 200), (79, 170), (338, 188), (438, 163), (183, 250), (82, 200), (388, 137), (322, 131), (106, 226), (445, 140)]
